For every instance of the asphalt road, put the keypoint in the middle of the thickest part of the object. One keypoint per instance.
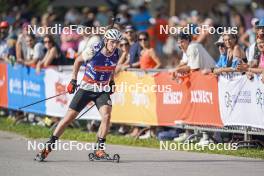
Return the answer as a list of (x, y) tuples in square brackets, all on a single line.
[(16, 160)]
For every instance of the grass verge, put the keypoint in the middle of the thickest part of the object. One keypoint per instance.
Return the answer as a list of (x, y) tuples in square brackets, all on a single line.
[(35, 132)]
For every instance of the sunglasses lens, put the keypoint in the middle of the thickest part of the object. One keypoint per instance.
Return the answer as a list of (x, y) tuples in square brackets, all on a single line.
[(123, 44)]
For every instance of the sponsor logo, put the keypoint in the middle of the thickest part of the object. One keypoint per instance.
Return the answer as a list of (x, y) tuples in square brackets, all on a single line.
[(228, 100), (15, 86), (242, 97), (31, 89), (172, 97), (201, 96), (60, 88), (140, 99), (260, 98)]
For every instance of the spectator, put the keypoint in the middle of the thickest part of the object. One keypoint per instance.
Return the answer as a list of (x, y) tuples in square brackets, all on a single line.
[(123, 14), (148, 57), (135, 49), (197, 58), (248, 16), (249, 37), (160, 38), (69, 44), (52, 56), (21, 44), (206, 39), (236, 19), (259, 62), (253, 51), (125, 56), (171, 48), (4, 27), (72, 16), (88, 17), (141, 19), (35, 51), (235, 54), (11, 53), (129, 34), (103, 15), (84, 41), (222, 50)]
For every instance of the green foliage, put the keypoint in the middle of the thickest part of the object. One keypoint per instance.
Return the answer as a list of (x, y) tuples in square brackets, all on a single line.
[(38, 7)]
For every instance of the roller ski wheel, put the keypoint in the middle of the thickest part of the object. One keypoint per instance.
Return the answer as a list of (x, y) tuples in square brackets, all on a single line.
[(41, 156), (91, 156), (116, 158), (102, 156)]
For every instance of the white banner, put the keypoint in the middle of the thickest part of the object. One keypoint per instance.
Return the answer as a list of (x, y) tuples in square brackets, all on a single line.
[(241, 100), (56, 83)]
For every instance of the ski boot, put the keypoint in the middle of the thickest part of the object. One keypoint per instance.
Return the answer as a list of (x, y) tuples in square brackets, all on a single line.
[(41, 156)]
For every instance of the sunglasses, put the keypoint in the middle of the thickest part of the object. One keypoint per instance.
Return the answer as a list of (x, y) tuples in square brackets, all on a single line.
[(143, 39), (124, 44), (221, 45), (259, 27), (129, 32)]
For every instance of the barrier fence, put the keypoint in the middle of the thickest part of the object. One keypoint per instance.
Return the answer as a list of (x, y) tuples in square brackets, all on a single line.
[(153, 98)]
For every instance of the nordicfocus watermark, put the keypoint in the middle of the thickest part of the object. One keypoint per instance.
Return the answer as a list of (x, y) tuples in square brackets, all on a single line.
[(166, 145), (58, 29), (192, 29), (137, 87), (65, 146)]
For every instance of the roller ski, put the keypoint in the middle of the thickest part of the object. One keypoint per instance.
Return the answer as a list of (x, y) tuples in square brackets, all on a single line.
[(41, 156), (100, 155)]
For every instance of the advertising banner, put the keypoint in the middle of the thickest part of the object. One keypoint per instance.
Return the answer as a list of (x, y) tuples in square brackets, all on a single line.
[(241, 100)]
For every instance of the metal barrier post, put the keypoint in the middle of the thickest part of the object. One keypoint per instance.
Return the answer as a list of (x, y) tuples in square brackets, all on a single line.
[(247, 137)]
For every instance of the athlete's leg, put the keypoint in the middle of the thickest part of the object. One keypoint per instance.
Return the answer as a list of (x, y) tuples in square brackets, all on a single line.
[(105, 112), (104, 105), (67, 120), (79, 101), (50, 144)]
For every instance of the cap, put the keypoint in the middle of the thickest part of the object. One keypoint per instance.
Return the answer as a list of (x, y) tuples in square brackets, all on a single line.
[(129, 28), (4, 24), (183, 36), (219, 41), (260, 23)]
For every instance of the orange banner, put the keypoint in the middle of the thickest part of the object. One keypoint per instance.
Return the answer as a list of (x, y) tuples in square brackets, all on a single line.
[(3, 85), (172, 105), (158, 100), (204, 100), (193, 101)]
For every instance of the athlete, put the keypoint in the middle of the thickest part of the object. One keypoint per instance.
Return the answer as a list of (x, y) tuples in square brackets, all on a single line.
[(101, 61)]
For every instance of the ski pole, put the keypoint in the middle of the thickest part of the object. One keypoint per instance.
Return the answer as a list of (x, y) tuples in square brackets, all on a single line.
[(85, 112), (31, 104)]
